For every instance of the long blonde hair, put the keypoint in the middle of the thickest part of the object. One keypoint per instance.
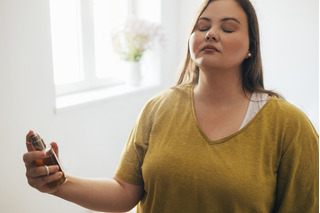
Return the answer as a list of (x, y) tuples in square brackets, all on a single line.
[(251, 74)]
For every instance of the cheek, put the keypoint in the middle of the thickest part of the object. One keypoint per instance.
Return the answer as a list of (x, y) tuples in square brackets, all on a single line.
[(194, 44), (238, 47)]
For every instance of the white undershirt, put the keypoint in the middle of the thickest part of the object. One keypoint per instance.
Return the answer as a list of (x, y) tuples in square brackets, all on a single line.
[(256, 103)]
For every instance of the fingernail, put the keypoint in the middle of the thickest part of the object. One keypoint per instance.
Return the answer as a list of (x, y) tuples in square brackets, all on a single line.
[(56, 168)]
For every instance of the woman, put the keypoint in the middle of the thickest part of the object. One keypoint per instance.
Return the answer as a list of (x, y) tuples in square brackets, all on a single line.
[(216, 142)]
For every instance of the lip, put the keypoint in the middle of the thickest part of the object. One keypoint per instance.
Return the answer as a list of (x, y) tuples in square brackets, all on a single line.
[(210, 47)]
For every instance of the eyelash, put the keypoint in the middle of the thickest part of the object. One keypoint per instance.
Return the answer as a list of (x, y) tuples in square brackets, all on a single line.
[(226, 31)]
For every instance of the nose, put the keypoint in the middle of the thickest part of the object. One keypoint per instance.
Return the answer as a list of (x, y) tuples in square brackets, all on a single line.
[(211, 36)]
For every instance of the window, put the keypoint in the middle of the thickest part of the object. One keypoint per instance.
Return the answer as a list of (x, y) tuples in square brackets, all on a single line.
[(83, 56)]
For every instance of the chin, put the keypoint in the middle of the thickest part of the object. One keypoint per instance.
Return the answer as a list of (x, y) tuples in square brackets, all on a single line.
[(209, 65)]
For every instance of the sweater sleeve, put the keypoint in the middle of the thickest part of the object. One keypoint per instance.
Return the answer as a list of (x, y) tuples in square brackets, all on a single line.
[(298, 172)]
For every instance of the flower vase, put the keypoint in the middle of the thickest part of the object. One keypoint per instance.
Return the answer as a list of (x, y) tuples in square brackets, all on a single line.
[(133, 73)]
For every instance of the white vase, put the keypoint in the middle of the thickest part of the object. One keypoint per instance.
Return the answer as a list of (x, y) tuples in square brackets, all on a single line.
[(133, 77)]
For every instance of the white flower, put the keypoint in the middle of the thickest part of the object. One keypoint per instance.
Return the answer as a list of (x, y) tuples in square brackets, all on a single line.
[(135, 37)]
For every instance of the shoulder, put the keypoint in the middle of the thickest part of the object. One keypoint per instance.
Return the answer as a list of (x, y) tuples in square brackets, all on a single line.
[(282, 109), (169, 98), (176, 92), (164, 104), (289, 120)]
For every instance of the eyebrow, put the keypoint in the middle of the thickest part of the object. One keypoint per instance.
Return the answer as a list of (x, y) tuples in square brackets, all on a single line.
[(222, 20), (234, 19)]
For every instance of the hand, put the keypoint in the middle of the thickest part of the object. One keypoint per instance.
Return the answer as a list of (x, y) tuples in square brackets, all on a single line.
[(37, 175)]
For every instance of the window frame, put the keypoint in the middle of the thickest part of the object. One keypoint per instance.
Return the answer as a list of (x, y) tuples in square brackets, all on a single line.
[(86, 36), (86, 44)]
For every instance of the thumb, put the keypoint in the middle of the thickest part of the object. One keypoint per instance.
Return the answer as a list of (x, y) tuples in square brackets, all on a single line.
[(54, 146)]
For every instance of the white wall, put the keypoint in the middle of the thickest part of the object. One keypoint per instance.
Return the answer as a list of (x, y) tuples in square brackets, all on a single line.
[(91, 138), (290, 51)]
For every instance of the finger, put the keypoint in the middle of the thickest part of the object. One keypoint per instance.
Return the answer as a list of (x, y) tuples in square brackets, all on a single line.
[(28, 141), (30, 157), (28, 137), (29, 147), (55, 147), (40, 182), (49, 178), (38, 171)]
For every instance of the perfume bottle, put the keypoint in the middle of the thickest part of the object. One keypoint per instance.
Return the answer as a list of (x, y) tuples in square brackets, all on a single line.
[(51, 158)]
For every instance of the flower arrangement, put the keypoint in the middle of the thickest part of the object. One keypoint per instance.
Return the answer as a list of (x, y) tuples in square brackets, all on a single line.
[(135, 37)]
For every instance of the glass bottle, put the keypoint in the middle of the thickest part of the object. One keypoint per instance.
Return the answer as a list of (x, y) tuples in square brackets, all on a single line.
[(51, 158)]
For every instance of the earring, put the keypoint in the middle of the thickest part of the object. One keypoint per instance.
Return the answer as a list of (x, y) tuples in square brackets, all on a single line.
[(249, 54)]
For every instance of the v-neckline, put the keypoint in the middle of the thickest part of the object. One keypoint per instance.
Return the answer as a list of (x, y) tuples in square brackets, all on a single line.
[(226, 138)]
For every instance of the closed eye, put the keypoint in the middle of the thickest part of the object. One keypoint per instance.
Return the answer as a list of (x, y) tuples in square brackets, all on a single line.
[(229, 26), (203, 24), (227, 31), (204, 29)]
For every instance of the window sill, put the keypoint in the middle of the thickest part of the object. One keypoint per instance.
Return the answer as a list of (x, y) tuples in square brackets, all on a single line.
[(89, 97)]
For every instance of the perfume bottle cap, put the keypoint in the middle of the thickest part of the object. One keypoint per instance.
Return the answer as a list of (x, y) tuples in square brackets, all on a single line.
[(37, 142)]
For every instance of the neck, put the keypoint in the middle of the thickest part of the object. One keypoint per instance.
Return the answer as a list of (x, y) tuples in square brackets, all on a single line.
[(223, 88)]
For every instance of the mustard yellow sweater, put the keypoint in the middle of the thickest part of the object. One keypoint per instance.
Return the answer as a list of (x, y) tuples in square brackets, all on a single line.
[(270, 165)]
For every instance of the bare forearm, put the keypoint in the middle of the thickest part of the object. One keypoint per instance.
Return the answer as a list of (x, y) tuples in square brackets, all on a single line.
[(96, 194), (112, 195)]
